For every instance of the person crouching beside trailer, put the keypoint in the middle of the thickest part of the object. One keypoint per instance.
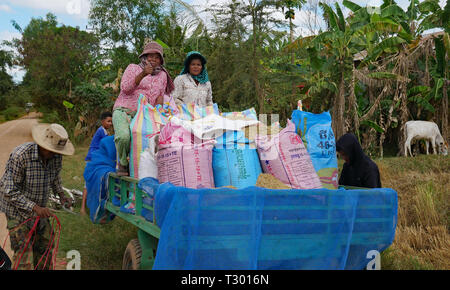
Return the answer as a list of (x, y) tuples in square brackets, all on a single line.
[(33, 169), (359, 170), (193, 85), (150, 79), (102, 132)]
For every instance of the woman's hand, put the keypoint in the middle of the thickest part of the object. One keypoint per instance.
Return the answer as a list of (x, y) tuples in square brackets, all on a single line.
[(159, 100), (148, 69)]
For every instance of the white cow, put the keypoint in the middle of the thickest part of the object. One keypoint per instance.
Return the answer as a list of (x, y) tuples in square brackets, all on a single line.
[(424, 130)]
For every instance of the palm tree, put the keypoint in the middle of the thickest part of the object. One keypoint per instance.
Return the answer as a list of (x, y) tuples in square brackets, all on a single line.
[(290, 6)]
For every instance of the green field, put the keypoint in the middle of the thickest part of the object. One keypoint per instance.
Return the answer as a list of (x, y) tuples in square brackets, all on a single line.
[(422, 239)]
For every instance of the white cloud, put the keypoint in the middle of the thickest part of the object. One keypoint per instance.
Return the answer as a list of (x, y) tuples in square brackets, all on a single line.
[(78, 8), (17, 73), (8, 35), (4, 7)]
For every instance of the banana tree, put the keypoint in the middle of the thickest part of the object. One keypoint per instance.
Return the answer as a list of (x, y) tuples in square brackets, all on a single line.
[(392, 57), (436, 17), (336, 45)]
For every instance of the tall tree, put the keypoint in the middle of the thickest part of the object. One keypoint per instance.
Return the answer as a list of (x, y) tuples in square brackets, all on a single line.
[(230, 57), (6, 82), (55, 59), (288, 7), (123, 23), (261, 19)]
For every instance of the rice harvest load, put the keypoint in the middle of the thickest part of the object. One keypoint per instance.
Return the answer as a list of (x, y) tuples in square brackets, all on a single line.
[(183, 160), (206, 211), (284, 156)]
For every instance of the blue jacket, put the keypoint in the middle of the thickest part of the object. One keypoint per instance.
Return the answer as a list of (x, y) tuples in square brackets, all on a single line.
[(95, 143)]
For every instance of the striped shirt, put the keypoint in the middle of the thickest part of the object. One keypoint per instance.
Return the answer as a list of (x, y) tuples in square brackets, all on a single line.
[(27, 181)]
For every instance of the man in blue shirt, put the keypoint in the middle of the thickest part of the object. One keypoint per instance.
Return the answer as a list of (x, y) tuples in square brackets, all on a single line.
[(102, 132)]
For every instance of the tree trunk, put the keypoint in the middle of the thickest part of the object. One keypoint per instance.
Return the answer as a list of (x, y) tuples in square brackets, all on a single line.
[(339, 108), (444, 115), (381, 123), (388, 124), (371, 96), (291, 40), (255, 71), (353, 117), (403, 118)]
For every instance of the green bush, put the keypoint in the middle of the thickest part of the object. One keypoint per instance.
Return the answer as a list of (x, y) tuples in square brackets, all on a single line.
[(3, 103), (50, 116), (90, 100), (13, 112)]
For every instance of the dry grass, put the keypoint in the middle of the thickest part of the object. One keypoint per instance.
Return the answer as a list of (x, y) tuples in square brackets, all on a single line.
[(422, 239)]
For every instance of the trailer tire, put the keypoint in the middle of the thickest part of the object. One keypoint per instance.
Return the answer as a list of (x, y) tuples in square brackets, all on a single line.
[(132, 256)]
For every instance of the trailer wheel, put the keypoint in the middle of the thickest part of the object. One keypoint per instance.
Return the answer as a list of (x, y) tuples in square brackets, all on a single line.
[(132, 256)]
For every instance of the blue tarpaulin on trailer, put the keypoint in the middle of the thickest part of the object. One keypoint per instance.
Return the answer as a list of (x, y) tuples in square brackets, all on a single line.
[(260, 229)]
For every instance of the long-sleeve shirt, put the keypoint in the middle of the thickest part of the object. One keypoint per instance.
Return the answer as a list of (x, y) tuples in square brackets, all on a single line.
[(27, 181), (361, 171), (95, 143), (187, 91), (152, 86)]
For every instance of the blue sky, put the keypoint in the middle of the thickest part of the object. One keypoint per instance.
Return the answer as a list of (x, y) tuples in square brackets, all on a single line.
[(68, 12), (75, 13), (23, 10)]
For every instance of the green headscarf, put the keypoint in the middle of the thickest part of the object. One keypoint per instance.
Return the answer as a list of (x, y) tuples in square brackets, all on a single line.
[(203, 76)]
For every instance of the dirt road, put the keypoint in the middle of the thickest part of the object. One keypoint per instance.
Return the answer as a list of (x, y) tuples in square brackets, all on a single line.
[(12, 134)]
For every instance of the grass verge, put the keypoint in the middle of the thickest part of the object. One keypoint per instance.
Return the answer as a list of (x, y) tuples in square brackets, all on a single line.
[(101, 246)]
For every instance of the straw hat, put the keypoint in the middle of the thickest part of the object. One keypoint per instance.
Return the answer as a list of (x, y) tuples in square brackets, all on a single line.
[(53, 137)]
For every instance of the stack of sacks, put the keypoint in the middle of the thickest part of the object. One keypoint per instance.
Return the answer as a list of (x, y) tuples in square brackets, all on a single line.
[(148, 122), (284, 156), (183, 159), (235, 159)]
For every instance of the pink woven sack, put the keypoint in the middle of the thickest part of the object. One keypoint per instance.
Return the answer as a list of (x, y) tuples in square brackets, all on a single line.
[(284, 156), (181, 162)]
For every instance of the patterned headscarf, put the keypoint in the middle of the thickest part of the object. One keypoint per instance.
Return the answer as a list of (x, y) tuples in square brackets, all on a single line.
[(203, 76)]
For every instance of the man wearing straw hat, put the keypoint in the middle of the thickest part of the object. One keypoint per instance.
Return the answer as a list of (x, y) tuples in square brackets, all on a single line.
[(32, 170)]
